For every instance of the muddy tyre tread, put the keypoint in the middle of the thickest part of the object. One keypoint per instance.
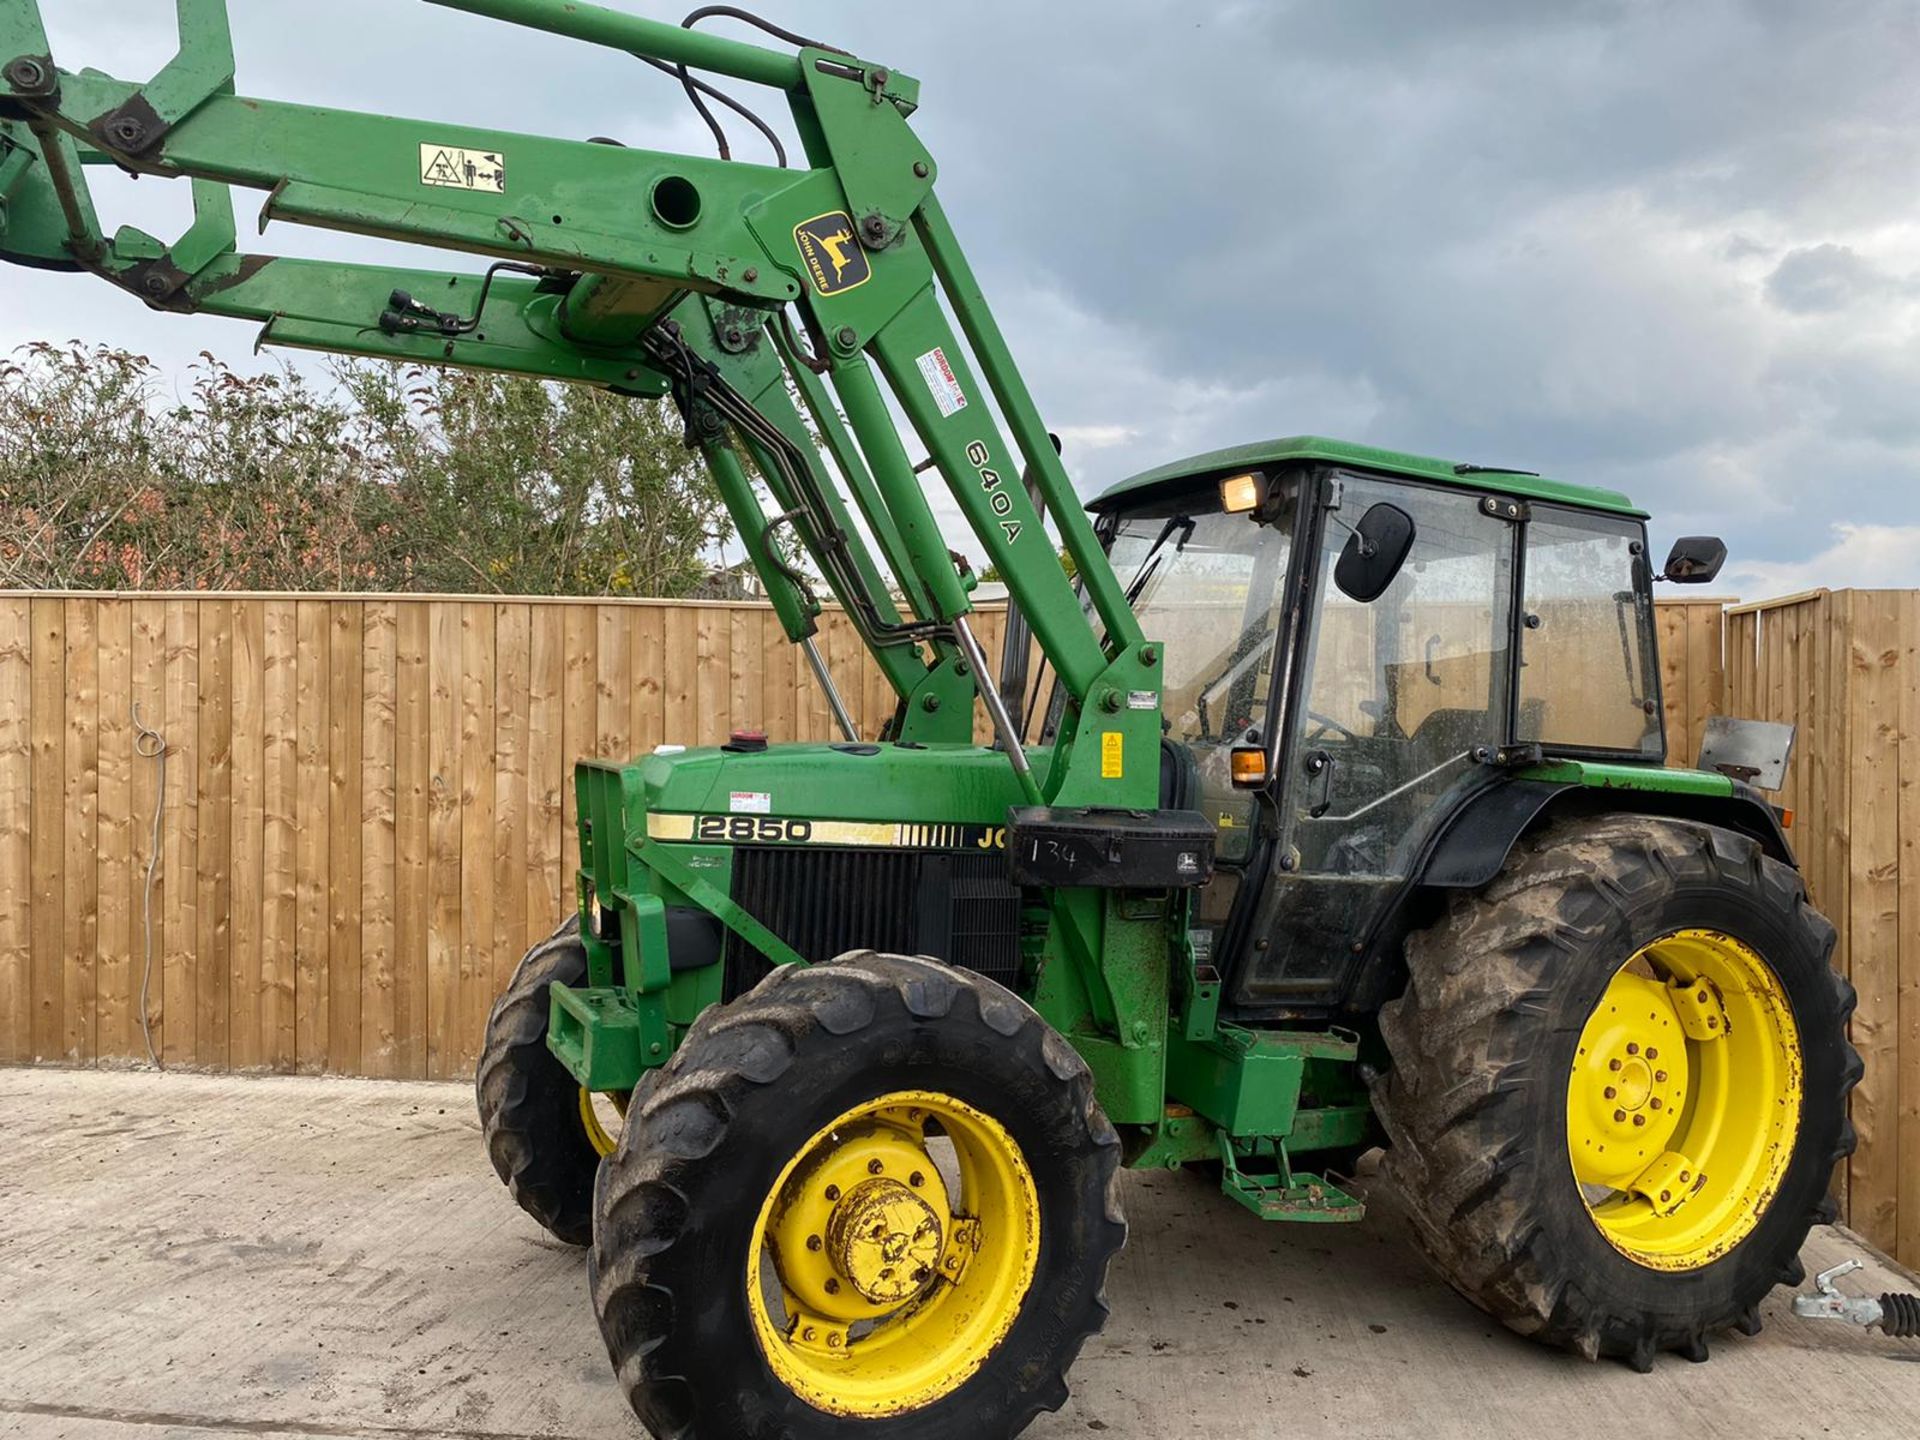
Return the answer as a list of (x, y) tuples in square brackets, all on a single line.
[(1468, 1038), (528, 1101), (644, 1264)]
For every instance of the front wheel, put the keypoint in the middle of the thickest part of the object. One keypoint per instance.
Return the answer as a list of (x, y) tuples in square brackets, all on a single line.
[(874, 1198), (545, 1134), (1620, 1085)]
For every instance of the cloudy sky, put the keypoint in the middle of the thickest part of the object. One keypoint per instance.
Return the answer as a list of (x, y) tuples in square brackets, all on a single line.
[(1670, 246)]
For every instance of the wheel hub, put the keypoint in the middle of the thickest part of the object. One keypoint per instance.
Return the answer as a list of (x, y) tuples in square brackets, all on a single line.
[(886, 1241), (1684, 1099), (1629, 1084), (894, 1276)]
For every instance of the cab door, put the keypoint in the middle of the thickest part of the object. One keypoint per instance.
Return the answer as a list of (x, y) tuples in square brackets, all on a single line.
[(1395, 702)]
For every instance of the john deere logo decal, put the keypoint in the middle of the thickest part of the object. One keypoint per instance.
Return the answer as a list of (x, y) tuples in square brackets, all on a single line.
[(834, 257)]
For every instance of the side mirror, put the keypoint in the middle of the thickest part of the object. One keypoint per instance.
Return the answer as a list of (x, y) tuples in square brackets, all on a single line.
[(1695, 559), (1374, 553)]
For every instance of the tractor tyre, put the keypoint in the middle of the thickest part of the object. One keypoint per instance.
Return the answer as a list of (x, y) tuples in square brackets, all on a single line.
[(542, 1133), (1619, 1086), (873, 1198)]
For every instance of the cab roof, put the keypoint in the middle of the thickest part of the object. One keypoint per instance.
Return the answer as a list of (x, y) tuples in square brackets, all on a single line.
[(1363, 457)]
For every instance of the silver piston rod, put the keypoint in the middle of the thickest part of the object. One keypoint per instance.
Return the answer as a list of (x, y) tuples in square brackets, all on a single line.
[(832, 691), (990, 696)]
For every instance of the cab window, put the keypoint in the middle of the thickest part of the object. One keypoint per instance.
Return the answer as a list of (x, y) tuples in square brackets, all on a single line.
[(1586, 642)]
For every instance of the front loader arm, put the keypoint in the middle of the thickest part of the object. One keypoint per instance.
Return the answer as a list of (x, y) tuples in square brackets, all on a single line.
[(642, 271)]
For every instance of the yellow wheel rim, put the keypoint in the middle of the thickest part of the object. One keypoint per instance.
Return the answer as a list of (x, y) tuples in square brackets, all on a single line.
[(599, 1137), (893, 1255), (1684, 1102)]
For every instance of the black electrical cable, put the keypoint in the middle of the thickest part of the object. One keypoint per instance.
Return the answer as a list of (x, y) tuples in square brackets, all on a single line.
[(731, 12), (696, 88), (698, 380), (406, 315), (692, 87), (810, 359)]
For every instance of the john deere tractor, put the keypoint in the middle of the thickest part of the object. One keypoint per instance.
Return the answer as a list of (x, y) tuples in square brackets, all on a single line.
[(1331, 812)]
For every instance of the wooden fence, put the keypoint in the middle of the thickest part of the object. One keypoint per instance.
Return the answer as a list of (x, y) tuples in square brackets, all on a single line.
[(1842, 667), (366, 813)]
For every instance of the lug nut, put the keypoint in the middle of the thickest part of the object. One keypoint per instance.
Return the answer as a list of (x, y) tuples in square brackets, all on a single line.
[(1611, 1092), (1657, 1104), (1632, 1048), (1665, 1196), (833, 1286), (1619, 1116), (833, 1193), (874, 1167), (833, 1341), (953, 1262), (1613, 1064), (916, 1180), (814, 1243), (1639, 1120), (807, 1334), (1713, 1022), (1659, 1077), (1652, 1054)]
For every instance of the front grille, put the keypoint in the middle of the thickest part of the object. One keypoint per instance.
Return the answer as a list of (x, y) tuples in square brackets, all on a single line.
[(984, 918), (957, 908)]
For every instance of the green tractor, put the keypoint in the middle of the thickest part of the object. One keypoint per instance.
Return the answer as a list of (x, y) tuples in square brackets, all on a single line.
[(1326, 810)]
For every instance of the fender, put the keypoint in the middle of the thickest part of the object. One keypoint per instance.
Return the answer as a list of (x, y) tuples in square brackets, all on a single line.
[(1474, 844), (1470, 847)]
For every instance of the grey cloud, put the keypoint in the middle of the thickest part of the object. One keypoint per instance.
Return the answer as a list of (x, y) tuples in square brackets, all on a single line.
[(1599, 238), (1820, 279)]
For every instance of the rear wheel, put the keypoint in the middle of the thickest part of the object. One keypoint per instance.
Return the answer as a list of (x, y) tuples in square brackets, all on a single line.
[(545, 1133), (871, 1198), (1619, 1085)]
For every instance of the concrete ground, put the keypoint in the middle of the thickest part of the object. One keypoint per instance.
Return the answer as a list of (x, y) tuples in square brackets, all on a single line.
[(195, 1257)]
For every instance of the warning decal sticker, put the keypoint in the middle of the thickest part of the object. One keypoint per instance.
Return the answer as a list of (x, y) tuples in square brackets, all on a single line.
[(448, 167), (834, 260), (938, 374), (1112, 755)]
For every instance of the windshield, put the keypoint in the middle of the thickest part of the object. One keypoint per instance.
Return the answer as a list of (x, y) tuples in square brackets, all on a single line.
[(1208, 588)]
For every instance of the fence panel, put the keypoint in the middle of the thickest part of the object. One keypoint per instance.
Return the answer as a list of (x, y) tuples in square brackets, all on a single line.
[(1842, 667), (366, 806)]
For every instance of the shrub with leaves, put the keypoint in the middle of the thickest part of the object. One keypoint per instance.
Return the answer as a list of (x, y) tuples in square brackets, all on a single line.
[(391, 479)]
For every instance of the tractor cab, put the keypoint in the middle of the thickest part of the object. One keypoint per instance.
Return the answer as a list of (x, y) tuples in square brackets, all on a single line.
[(1358, 643)]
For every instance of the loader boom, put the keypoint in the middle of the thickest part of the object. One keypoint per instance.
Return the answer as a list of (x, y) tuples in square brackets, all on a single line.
[(770, 302)]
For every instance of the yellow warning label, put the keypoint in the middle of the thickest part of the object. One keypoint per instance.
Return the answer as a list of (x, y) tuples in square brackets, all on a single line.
[(1112, 755)]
